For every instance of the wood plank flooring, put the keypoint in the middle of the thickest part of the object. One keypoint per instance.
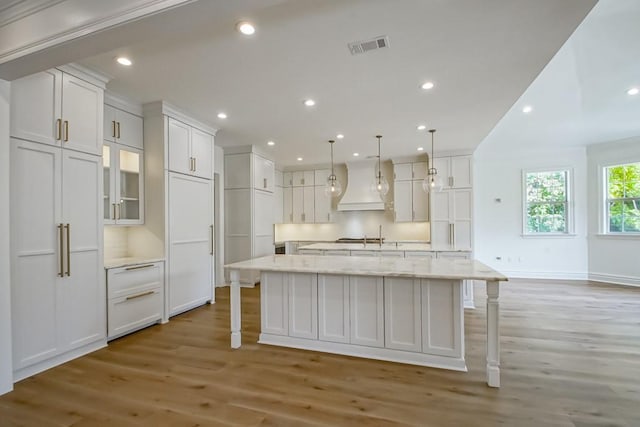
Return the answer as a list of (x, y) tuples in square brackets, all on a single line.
[(570, 358)]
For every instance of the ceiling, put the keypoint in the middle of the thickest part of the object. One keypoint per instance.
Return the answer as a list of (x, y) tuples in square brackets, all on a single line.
[(481, 55)]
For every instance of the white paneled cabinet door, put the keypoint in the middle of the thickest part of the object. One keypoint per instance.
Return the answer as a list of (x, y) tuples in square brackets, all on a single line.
[(297, 202), (441, 233), (82, 115), (274, 302), (402, 204), (278, 207), (82, 292), (287, 205), (36, 251), (461, 171), (262, 223), (442, 317), (179, 147), (36, 107), (462, 210), (322, 205), (366, 310), (190, 259), (303, 305), (420, 202), (129, 129), (333, 308), (202, 153), (402, 316), (308, 208)]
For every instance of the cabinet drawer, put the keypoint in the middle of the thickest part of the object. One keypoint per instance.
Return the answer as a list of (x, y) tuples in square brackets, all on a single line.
[(129, 280), (419, 254), (128, 313)]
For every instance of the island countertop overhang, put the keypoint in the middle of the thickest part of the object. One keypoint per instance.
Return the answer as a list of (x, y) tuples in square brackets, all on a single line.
[(448, 269)]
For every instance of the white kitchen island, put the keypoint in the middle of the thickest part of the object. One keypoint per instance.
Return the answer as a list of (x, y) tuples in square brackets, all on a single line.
[(398, 309)]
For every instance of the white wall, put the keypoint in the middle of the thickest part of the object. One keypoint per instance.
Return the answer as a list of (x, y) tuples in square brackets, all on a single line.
[(498, 225), (611, 258), (6, 366), (218, 169)]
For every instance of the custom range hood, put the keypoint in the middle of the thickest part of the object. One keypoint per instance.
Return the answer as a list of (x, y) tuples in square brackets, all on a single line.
[(359, 196)]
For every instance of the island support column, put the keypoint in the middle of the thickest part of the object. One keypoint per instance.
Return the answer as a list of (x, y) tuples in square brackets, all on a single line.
[(493, 334), (236, 335)]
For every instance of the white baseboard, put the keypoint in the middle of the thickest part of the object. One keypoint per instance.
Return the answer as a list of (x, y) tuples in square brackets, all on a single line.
[(614, 278), (557, 275)]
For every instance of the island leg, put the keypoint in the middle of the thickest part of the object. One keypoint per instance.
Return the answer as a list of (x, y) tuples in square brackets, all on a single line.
[(236, 335), (493, 334)]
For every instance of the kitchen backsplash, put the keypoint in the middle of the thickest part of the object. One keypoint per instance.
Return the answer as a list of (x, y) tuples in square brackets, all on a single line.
[(116, 242), (135, 241), (355, 224)]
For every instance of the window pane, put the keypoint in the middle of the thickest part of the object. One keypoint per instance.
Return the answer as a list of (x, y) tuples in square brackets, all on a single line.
[(547, 218), (631, 216), (546, 186), (632, 180), (615, 217)]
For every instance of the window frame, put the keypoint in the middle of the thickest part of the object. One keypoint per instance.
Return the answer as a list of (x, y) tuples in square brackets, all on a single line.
[(603, 181), (569, 202)]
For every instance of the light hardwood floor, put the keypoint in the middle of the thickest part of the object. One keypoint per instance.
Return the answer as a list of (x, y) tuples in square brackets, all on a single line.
[(570, 357)]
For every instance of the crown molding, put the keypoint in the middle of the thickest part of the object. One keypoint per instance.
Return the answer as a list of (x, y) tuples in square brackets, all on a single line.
[(164, 108)]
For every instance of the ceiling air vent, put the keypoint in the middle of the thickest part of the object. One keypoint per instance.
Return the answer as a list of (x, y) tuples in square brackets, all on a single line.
[(367, 45)]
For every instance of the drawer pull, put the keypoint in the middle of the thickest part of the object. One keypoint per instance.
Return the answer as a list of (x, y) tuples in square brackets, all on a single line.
[(138, 267), (144, 294)]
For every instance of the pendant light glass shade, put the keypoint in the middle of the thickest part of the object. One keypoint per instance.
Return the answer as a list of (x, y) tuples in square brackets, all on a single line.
[(380, 185), (433, 181), (332, 187)]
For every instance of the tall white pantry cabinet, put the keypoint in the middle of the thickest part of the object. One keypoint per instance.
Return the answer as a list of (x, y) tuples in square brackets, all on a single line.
[(179, 202), (57, 287)]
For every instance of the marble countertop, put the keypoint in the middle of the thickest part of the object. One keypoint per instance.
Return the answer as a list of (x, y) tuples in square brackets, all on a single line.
[(375, 247), (446, 268), (128, 261)]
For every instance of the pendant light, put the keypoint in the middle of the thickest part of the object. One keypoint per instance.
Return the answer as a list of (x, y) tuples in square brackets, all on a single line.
[(380, 184), (433, 181), (332, 187)]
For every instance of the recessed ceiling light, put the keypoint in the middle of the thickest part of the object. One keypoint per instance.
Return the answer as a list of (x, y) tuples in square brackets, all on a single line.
[(633, 91), (246, 28), (420, 148), (356, 154), (427, 85), (339, 136), (309, 102), (271, 143), (299, 159), (422, 127), (222, 116), (527, 109), (124, 61)]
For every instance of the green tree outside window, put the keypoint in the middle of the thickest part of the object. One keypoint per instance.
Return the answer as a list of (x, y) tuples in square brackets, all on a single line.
[(623, 198), (546, 207)]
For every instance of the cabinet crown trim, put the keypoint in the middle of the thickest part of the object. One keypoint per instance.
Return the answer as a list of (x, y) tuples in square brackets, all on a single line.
[(121, 103), (167, 109), (87, 74)]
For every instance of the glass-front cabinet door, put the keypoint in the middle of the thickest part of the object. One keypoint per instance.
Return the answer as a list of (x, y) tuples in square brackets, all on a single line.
[(124, 185)]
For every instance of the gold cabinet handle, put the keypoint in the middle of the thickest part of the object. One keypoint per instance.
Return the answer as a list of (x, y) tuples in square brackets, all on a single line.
[(58, 129), (265, 182), (194, 164), (211, 232), (139, 267), (68, 227), (113, 128), (61, 237), (114, 211), (66, 131), (118, 130), (119, 205), (144, 294)]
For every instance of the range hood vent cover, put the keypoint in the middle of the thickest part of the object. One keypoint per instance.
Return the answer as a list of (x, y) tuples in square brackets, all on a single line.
[(359, 196), (366, 45)]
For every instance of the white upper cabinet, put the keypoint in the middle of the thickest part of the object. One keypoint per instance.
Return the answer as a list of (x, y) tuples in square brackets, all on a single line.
[(123, 185), (303, 178), (451, 219), (402, 172), (122, 127), (322, 205), (279, 178), (263, 174), (236, 170), (420, 202), (410, 202), (455, 171), (57, 108), (190, 150), (321, 176), (419, 170), (287, 179)]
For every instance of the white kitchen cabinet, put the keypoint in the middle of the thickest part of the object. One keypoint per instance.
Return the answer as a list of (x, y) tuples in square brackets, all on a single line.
[(57, 286), (303, 202), (467, 285), (135, 295), (287, 179), (287, 204), (333, 308), (279, 178), (411, 202), (57, 108), (237, 171), (419, 254), (263, 174), (303, 305), (274, 303), (442, 318), (322, 205), (190, 150), (366, 310), (122, 127), (303, 178), (455, 171), (123, 184), (278, 205), (190, 242), (321, 176), (402, 313), (451, 218)]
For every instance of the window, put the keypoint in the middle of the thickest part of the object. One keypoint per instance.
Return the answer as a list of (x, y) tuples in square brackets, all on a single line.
[(623, 198), (546, 207)]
